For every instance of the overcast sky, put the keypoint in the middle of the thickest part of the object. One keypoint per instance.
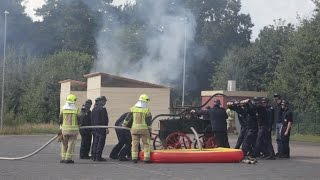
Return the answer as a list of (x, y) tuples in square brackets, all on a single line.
[(262, 12)]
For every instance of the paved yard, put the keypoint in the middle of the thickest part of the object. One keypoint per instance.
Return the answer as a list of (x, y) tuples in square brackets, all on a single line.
[(304, 164)]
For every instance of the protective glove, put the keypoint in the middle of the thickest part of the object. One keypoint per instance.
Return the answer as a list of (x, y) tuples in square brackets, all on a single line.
[(60, 136)]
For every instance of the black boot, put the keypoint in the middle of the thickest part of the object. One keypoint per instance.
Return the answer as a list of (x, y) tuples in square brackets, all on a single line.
[(101, 159)]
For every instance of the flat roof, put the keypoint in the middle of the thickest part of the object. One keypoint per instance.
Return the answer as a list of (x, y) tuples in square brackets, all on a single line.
[(108, 80)]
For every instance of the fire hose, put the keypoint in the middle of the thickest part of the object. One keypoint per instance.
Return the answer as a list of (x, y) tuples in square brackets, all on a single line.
[(55, 137)]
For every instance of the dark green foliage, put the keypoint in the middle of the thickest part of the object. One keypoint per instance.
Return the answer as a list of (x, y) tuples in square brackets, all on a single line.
[(254, 66), (42, 99)]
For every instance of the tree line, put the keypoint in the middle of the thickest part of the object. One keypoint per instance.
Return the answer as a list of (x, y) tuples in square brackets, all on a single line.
[(283, 59)]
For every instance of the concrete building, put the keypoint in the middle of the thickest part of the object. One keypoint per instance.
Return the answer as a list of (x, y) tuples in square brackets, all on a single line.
[(122, 93)]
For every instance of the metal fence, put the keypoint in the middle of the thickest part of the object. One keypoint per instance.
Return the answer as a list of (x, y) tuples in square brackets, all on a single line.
[(306, 123)]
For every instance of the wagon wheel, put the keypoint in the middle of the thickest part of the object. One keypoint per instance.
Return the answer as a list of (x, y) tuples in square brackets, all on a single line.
[(178, 140), (210, 142), (195, 144), (206, 141), (157, 144)]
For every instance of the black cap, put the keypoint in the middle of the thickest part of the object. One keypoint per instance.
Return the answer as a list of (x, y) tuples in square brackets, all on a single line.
[(97, 99), (103, 98), (88, 101)]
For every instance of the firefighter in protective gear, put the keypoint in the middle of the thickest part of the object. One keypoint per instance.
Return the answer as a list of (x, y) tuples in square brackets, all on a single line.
[(141, 118), (68, 121), (230, 121)]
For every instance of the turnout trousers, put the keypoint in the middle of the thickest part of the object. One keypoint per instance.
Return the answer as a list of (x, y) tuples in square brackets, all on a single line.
[(67, 146), (145, 137)]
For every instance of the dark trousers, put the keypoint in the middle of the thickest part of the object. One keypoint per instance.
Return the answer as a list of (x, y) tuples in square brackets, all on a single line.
[(269, 150), (285, 142), (123, 148), (86, 138), (249, 141), (241, 137), (98, 142), (278, 136), (221, 138), (260, 146)]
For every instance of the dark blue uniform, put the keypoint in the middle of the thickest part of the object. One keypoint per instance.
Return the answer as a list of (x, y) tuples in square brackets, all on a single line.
[(270, 119), (218, 118), (286, 118), (251, 124), (122, 150), (99, 116), (86, 134), (261, 142)]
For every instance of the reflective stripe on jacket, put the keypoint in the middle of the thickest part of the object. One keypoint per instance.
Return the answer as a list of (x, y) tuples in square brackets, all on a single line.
[(70, 121), (139, 117)]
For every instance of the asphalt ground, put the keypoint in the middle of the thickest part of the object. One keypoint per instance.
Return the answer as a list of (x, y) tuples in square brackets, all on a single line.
[(304, 164)]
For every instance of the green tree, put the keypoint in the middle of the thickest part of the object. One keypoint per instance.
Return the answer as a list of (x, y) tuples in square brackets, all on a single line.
[(220, 27), (253, 67), (42, 97), (297, 76), (68, 25)]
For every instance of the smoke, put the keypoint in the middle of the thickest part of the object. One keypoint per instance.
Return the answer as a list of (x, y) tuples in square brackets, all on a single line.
[(165, 46)]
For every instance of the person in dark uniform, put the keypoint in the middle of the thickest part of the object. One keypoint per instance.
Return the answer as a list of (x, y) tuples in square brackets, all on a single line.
[(278, 120), (122, 150), (218, 118), (99, 116), (240, 110), (287, 119), (97, 100), (86, 134), (261, 115), (269, 154), (251, 124)]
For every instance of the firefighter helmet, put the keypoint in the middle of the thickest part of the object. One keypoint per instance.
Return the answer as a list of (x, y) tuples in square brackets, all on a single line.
[(71, 98), (144, 98)]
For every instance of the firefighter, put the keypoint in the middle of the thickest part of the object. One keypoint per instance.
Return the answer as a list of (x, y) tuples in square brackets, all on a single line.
[(141, 118), (99, 116), (68, 121), (230, 120), (287, 119), (122, 150), (218, 118), (86, 134)]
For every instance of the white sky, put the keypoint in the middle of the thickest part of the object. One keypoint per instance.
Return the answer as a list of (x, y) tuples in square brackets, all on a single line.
[(262, 12)]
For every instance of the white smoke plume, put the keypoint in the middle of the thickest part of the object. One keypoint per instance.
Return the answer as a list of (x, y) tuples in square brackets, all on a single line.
[(163, 62)]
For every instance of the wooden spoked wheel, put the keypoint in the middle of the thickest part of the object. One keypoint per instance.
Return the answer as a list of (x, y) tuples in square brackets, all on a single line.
[(206, 141), (177, 140), (157, 144)]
